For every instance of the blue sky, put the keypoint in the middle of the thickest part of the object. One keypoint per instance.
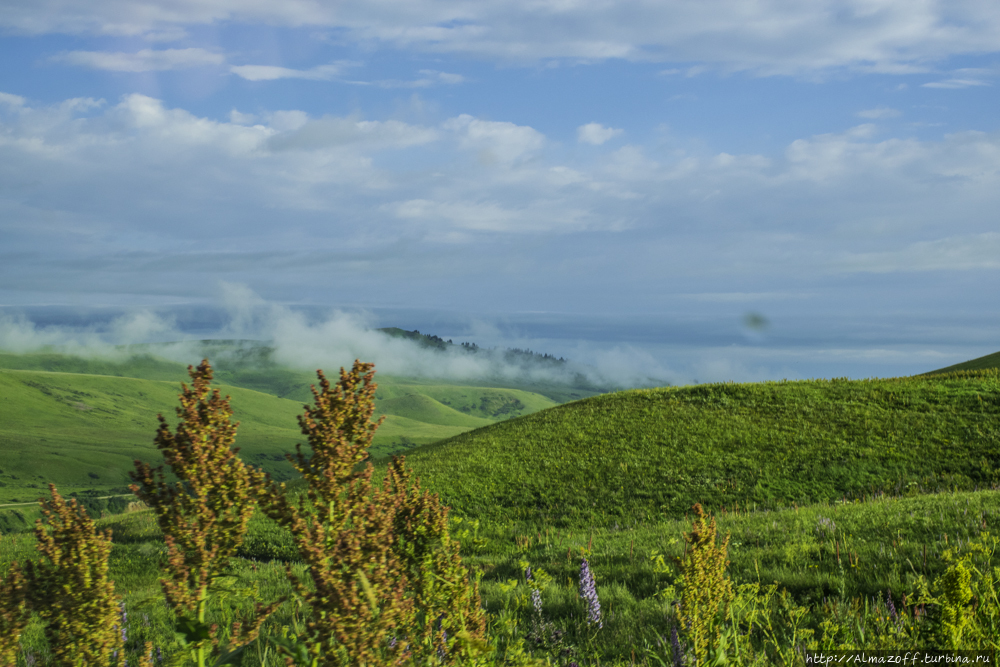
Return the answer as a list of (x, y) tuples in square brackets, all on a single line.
[(626, 182)]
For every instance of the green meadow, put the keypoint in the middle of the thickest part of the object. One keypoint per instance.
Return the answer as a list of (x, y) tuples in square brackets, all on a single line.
[(849, 505), (81, 422)]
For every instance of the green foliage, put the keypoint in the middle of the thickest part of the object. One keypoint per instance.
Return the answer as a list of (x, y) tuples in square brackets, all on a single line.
[(357, 596), (707, 592), (387, 584), (204, 516), (71, 590), (13, 613)]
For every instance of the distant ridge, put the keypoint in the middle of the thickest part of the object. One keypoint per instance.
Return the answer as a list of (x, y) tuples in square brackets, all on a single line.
[(510, 354), (989, 361)]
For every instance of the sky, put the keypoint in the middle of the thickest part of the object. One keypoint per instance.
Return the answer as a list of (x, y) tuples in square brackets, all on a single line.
[(698, 191)]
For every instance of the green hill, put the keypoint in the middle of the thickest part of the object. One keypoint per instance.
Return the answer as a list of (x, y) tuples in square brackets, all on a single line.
[(638, 455), (81, 422), (980, 363), (84, 431)]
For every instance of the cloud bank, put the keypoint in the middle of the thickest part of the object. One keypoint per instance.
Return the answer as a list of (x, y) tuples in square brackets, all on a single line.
[(890, 36), (334, 341)]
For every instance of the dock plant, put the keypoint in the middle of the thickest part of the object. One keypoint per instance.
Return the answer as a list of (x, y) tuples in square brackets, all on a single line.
[(14, 613), (388, 585), (204, 516), (70, 589), (707, 592)]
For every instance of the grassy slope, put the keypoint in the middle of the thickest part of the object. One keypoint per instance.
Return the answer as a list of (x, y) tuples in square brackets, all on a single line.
[(84, 421), (95, 426), (989, 361), (636, 455)]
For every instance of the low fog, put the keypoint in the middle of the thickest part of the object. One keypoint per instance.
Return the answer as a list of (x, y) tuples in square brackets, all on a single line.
[(306, 342)]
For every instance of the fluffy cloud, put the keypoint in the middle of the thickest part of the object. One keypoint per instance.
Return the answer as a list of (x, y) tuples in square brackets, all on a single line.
[(331, 131), (889, 36), (138, 198), (495, 141), (146, 60), (595, 134)]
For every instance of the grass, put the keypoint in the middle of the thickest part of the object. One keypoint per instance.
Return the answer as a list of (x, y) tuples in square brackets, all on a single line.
[(843, 494), (84, 420), (85, 431), (639, 455), (979, 363), (882, 545)]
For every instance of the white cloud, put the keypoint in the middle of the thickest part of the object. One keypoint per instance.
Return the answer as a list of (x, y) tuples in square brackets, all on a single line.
[(146, 60), (333, 131), (879, 112), (956, 253), (966, 77), (496, 141), (273, 72), (490, 216), (950, 84), (891, 36), (140, 198), (12, 101), (239, 118), (595, 133), (427, 79)]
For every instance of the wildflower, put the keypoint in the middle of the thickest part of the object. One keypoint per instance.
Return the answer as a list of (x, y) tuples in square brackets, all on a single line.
[(124, 619), (675, 646), (536, 600), (892, 607), (588, 591), (824, 525)]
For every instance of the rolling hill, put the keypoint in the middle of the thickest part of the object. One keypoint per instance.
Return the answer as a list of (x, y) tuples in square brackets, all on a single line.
[(988, 361), (81, 422), (644, 454)]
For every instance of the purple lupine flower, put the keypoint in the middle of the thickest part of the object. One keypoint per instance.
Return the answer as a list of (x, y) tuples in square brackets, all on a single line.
[(527, 574), (30, 659), (444, 638), (891, 605), (536, 600), (588, 591), (675, 647), (124, 619)]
